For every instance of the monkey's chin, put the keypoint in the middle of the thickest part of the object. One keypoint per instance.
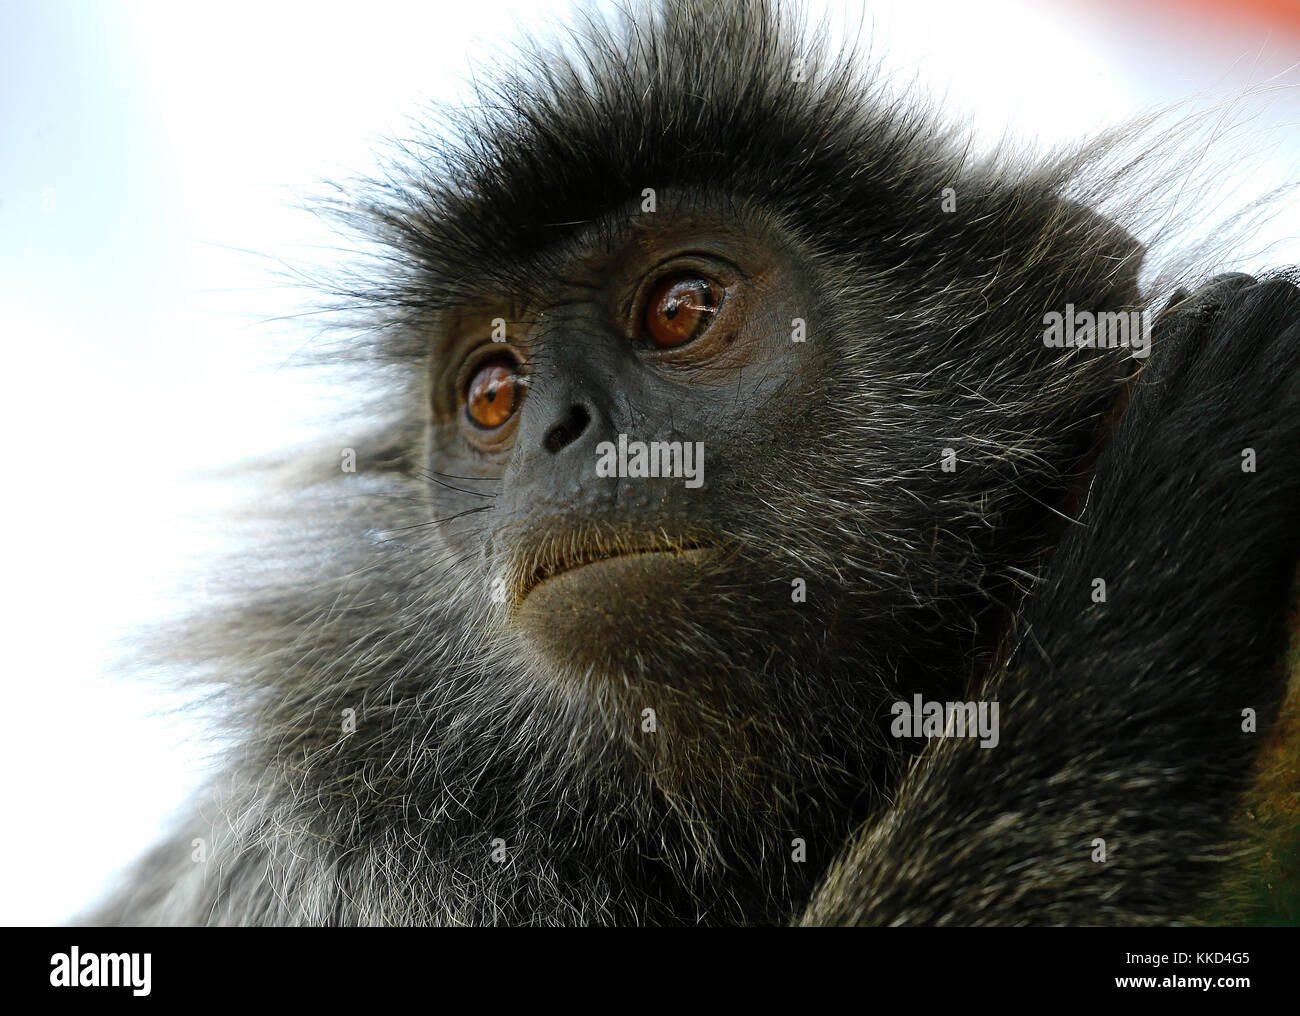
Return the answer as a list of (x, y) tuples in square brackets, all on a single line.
[(616, 613)]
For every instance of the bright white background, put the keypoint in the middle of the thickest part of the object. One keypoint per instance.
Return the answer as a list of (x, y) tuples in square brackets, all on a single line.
[(151, 155)]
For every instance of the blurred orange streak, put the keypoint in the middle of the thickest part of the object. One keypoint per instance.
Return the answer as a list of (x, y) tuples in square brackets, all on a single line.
[(1282, 15)]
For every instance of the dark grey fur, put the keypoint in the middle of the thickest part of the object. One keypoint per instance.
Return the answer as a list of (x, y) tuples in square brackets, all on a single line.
[(1120, 721)]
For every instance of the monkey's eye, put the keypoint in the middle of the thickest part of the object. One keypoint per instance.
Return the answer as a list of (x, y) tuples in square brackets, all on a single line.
[(680, 309), (492, 394)]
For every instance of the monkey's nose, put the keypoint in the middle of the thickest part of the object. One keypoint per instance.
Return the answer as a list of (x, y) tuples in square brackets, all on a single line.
[(567, 430)]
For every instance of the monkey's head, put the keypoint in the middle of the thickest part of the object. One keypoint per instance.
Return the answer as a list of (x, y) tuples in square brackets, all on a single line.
[(728, 395)]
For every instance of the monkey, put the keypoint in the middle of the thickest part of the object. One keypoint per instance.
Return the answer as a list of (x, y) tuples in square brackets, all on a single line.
[(716, 417)]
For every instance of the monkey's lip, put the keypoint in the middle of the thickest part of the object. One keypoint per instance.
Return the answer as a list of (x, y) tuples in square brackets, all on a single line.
[(582, 557)]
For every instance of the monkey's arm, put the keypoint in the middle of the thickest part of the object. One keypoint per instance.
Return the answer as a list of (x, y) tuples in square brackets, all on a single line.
[(1122, 721)]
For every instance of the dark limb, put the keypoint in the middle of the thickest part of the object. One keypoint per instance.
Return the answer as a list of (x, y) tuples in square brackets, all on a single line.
[(1122, 720)]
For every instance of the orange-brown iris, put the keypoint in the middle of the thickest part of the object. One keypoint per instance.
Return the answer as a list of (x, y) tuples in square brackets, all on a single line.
[(679, 310), (492, 394)]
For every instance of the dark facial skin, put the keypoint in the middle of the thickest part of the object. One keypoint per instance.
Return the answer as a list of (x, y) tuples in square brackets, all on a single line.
[(599, 571)]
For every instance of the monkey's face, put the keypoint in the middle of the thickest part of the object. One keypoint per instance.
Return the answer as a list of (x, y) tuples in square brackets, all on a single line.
[(701, 464), (636, 419), (691, 429)]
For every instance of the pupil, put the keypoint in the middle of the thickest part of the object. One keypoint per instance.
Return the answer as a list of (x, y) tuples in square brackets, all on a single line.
[(491, 393), (670, 311)]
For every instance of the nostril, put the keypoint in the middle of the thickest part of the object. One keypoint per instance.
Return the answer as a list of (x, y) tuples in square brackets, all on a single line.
[(567, 430)]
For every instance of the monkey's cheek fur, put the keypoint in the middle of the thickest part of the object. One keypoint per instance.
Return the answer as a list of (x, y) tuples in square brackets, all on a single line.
[(617, 613)]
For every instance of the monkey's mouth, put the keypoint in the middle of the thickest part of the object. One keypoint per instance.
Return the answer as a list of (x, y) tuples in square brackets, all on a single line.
[(554, 562)]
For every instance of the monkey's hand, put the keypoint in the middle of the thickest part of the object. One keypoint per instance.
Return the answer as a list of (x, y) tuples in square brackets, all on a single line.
[(1146, 668)]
